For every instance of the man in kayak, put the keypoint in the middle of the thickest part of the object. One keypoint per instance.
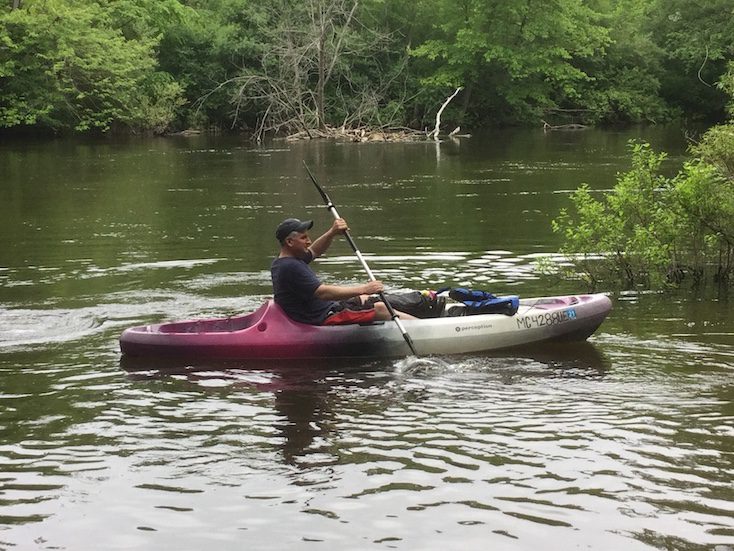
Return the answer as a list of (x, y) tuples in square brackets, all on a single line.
[(301, 293)]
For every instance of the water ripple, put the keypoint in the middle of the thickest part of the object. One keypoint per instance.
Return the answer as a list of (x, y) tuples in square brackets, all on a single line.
[(548, 448)]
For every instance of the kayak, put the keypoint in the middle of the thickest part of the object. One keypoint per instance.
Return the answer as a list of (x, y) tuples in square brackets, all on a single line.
[(268, 333)]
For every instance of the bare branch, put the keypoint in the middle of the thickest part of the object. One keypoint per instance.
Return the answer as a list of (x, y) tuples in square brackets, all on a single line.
[(705, 59), (438, 115)]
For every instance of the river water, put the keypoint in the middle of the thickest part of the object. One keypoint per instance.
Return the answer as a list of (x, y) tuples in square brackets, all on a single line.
[(623, 442)]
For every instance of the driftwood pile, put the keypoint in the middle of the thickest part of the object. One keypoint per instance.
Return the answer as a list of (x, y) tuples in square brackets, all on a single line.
[(368, 135), (382, 135)]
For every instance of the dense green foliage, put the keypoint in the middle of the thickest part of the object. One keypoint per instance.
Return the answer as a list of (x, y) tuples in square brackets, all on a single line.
[(63, 66), (656, 231), (516, 59), (155, 65)]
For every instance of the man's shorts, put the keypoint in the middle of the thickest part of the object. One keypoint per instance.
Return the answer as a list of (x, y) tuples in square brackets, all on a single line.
[(346, 317), (351, 311)]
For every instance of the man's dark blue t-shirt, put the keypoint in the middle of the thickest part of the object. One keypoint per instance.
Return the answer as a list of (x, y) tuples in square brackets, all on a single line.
[(294, 285)]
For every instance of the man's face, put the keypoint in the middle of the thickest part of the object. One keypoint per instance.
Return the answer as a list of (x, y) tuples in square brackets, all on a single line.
[(298, 243)]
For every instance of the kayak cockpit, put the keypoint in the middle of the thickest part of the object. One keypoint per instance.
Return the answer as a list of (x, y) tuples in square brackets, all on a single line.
[(218, 325)]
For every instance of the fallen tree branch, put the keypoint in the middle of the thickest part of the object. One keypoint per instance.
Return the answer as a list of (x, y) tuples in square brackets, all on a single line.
[(438, 115), (572, 126)]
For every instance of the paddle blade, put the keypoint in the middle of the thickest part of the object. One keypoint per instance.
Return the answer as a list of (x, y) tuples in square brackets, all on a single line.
[(318, 187)]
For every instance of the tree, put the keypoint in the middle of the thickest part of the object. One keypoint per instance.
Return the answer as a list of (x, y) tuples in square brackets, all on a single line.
[(515, 57), (629, 235), (206, 49), (698, 41), (307, 76), (312, 64), (726, 84), (656, 231), (63, 66), (625, 82)]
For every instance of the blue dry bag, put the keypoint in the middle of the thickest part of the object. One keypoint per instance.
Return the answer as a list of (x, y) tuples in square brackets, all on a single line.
[(483, 302)]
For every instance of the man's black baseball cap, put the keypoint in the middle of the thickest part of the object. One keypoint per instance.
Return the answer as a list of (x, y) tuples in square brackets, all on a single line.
[(288, 226)]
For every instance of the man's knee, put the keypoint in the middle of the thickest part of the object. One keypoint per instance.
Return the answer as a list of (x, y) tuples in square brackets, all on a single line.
[(381, 311), (383, 314)]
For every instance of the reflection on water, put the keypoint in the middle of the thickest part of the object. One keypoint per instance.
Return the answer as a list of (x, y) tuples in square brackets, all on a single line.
[(301, 389), (623, 442), (545, 437), (573, 443)]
